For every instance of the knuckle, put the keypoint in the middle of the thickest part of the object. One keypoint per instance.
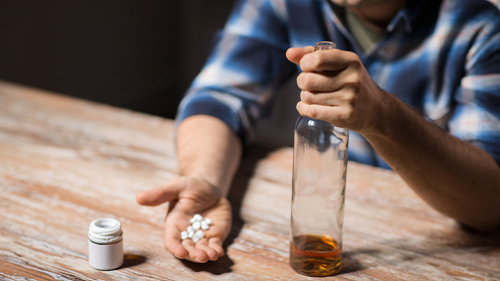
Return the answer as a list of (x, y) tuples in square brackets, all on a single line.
[(353, 79), (357, 64), (308, 81), (315, 59), (313, 112), (353, 100), (348, 113), (353, 58), (306, 97), (350, 96)]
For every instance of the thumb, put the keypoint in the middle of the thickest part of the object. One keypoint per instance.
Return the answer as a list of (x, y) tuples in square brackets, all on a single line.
[(162, 194), (295, 54)]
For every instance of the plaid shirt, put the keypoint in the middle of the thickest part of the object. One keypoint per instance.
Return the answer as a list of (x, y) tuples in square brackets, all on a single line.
[(440, 57)]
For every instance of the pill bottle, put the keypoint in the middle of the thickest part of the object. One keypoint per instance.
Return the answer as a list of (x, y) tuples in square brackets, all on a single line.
[(318, 192), (105, 244)]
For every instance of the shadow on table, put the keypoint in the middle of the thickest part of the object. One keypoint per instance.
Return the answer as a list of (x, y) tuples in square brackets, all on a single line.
[(466, 238), (221, 266), (252, 156), (463, 238), (130, 260), (351, 264), (491, 237)]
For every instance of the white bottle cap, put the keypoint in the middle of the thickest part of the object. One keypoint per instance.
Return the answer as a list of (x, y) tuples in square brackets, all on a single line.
[(105, 244)]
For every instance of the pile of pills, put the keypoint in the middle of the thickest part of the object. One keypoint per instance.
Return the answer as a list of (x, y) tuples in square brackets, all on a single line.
[(198, 224)]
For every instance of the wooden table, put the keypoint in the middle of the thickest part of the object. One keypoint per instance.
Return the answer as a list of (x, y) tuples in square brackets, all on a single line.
[(65, 162)]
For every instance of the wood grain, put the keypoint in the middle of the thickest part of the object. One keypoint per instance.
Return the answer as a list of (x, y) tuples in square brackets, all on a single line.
[(65, 162)]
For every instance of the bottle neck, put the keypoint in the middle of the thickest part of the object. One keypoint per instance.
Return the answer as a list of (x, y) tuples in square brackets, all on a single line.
[(324, 45)]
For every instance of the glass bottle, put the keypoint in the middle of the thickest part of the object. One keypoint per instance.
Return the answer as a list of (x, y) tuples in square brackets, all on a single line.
[(319, 176)]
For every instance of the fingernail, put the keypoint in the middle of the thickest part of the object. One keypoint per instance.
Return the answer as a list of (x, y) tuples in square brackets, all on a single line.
[(297, 106), (196, 260)]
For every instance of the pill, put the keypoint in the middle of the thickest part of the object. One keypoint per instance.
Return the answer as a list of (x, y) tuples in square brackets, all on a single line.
[(184, 235), (204, 225), (197, 217), (196, 225), (208, 221), (190, 234), (190, 229), (200, 234), (195, 238)]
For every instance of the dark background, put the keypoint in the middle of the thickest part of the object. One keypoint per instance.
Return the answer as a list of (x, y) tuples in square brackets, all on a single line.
[(139, 55)]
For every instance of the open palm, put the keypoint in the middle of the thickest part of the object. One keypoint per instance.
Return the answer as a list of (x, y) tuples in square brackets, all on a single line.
[(189, 196)]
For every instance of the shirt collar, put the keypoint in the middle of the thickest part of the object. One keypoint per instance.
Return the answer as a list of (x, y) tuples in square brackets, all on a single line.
[(406, 16), (401, 18)]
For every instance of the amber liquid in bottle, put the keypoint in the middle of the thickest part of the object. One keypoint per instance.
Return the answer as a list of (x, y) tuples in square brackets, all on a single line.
[(315, 255)]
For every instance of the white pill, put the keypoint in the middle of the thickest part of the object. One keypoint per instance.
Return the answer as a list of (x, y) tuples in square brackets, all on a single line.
[(204, 225), (197, 217), (184, 235), (190, 234), (196, 238), (208, 221), (190, 229), (200, 234), (196, 225), (192, 220)]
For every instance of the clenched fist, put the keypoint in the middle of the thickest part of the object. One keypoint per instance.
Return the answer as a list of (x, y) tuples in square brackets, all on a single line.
[(337, 88)]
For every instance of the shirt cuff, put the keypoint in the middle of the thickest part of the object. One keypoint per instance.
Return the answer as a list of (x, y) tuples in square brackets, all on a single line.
[(208, 105)]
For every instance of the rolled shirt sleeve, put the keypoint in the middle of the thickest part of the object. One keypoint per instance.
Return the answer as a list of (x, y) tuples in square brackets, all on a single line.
[(246, 67)]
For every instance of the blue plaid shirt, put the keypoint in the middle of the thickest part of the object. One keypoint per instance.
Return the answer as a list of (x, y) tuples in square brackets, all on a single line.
[(440, 57)]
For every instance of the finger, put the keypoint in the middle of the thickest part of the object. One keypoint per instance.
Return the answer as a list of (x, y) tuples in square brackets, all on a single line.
[(195, 254), (295, 54), (330, 114), (320, 81), (159, 195), (329, 80), (175, 247), (216, 244), (211, 253), (173, 225), (216, 235), (329, 60), (189, 245), (336, 98)]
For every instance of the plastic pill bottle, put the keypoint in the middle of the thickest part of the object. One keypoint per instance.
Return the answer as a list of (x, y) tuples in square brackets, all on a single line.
[(105, 244)]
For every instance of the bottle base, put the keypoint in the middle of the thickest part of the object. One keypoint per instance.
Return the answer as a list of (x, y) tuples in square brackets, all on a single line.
[(315, 256), (313, 268)]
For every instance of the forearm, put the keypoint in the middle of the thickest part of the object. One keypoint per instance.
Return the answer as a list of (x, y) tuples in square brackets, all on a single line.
[(208, 149), (455, 177)]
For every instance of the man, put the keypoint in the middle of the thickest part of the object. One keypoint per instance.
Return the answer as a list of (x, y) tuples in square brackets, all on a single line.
[(440, 58)]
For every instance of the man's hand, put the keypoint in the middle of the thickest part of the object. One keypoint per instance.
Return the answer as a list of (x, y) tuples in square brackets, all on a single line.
[(188, 196), (446, 172), (209, 153), (336, 88)]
